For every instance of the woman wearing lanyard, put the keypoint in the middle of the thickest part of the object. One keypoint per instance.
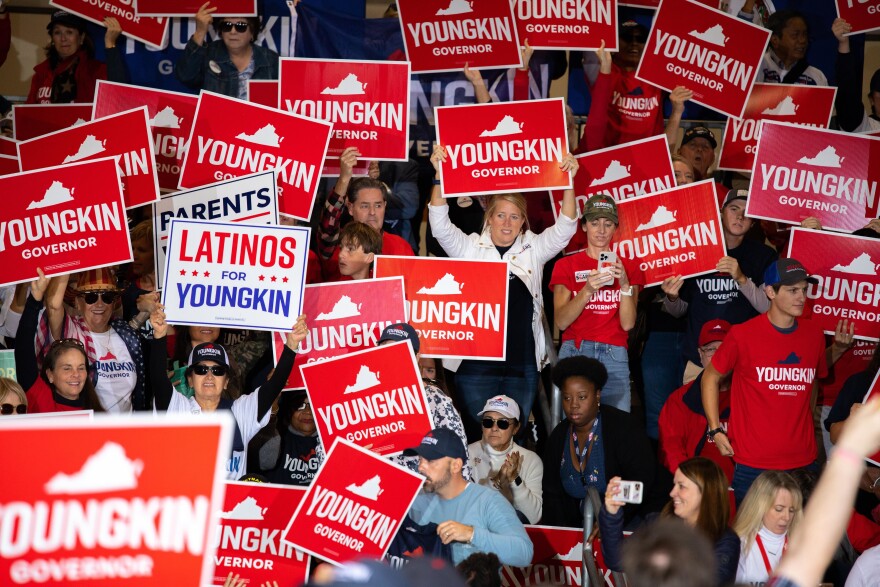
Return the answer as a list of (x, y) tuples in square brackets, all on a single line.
[(772, 508)]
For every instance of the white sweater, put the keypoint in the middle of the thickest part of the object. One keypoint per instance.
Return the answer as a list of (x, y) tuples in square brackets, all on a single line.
[(486, 461), (751, 569)]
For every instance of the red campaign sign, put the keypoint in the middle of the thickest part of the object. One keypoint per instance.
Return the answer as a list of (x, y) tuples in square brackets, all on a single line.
[(62, 219), (170, 116), (8, 165), (151, 31), (503, 147), (331, 168), (444, 35), (249, 540), (797, 104), (33, 120), (873, 391), (623, 171), (366, 101), (110, 509), (7, 147), (264, 91), (653, 4), (373, 397), (125, 136), (801, 172), (673, 232), (354, 506), (345, 317), (849, 286), (863, 15), (231, 137), (710, 52), (458, 306), (188, 8), (577, 25)]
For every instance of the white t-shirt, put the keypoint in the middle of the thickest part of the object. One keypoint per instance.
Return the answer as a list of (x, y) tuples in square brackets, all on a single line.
[(117, 373), (751, 569), (244, 410), (866, 570)]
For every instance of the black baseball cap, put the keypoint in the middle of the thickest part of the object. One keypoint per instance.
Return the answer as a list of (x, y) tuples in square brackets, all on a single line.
[(631, 28), (787, 271), (439, 443), (699, 132), (67, 19), (209, 351), (401, 331)]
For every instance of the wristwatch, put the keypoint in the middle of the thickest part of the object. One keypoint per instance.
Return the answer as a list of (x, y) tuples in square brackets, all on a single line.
[(710, 435), (628, 292)]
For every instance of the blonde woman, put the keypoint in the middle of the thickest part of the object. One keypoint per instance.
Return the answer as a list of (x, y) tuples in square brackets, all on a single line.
[(12, 397)]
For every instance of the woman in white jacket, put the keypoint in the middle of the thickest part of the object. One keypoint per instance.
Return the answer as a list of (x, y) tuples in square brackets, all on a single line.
[(506, 236)]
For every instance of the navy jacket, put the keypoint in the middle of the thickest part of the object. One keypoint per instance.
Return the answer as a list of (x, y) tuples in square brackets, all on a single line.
[(194, 69)]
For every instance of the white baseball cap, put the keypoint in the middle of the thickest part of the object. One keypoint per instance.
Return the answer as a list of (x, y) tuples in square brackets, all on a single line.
[(503, 405)]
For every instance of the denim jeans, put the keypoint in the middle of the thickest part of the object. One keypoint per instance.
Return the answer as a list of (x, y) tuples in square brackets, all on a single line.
[(616, 392), (744, 476), (477, 381), (662, 370)]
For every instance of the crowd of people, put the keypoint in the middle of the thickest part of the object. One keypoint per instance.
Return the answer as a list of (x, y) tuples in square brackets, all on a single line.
[(660, 386)]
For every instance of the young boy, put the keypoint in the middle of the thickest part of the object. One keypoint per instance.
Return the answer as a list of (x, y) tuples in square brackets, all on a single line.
[(359, 243)]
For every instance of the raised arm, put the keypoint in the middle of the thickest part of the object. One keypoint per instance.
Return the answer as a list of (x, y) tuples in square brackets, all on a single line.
[(328, 231), (450, 237), (158, 368), (54, 300), (269, 391), (25, 353)]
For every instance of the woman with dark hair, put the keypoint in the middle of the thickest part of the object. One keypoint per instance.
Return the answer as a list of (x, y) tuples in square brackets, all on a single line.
[(699, 498), (291, 457), (225, 65)]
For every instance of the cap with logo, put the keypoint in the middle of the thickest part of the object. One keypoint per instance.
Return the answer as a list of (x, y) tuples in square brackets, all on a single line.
[(631, 28), (401, 331), (439, 443), (503, 405), (65, 18), (699, 132), (786, 271), (713, 331), (209, 351), (600, 206), (733, 195)]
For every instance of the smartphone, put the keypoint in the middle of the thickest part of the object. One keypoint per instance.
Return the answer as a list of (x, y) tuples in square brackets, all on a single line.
[(606, 260), (630, 492)]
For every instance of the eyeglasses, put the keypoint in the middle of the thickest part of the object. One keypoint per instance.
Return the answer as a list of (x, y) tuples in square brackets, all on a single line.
[(216, 370), (92, 297), (239, 26), (67, 342), (7, 409), (503, 423)]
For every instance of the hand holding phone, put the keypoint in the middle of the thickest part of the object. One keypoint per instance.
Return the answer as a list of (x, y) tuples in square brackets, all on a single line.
[(629, 492)]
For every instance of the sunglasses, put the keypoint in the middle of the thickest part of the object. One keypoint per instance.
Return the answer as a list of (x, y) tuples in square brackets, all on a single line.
[(216, 370), (305, 406), (7, 409), (239, 26), (503, 423), (92, 297)]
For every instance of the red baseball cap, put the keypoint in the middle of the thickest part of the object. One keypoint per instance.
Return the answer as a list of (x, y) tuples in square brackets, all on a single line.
[(713, 331)]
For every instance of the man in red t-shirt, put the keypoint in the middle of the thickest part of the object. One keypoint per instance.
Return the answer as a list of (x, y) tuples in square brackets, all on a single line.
[(776, 361)]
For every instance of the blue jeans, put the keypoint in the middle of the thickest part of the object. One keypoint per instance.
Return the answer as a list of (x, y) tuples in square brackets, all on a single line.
[(616, 392), (477, 381), (744, 476), (662, 372)]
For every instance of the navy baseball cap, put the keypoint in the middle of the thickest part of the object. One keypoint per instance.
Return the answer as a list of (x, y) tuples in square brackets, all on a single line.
[(786, 271), (209, 351), (401, 331), (439, 443), (699, 132)]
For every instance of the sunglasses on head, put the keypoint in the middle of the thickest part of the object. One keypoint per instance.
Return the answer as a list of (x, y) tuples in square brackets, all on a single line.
[(239, 26), (67, 342), (7, 409), (91, 297), (216, 370), (503, 423)]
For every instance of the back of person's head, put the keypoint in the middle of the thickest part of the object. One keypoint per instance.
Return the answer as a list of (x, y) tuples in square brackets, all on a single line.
[(759, 500), (516, 199), (669, 553), (714, 501), (366, 183), (358, 234), (481, 569), (806, 481)]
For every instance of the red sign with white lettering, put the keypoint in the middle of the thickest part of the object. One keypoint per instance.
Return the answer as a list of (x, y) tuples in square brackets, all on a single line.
[(7, 147), (709, 51), (801, 172), (141, 28), (578, 24), (367, 102), (458, 306), (849, 285), (873, 391), (623, 171), (187, 8), (84, 226), (502, 147), (673, 232), (863, 15), (264, 91), (170, 117), (125, 136), (373, 398), (8, 165), (33, 120), (794, 103), (231, 137), (345, 317), (444, 35), (253, 518), (376, 491), (110, 509)]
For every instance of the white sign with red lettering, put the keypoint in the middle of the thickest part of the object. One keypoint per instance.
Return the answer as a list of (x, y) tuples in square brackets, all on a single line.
[(125, 136), (580, 25), (863, 15), (367, 102), (801, 172), (34, 120), (251, 199), (344, 317), (231, 138), (111, 507), (794, 103), (673, 232), (148, 30), (849, 282), (377, 494), (170, 115), (62, 219), (445, 35), (458, 306), (623, 171), (503, 147), (236, 275), (710, 52), (253, 517)]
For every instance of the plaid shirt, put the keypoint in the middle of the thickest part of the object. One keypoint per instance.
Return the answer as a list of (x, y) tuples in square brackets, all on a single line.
[(328, 235)]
